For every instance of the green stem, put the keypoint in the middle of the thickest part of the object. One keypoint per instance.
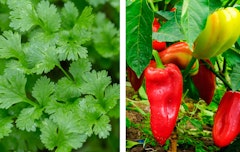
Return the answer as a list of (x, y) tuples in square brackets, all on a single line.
[(65, 73), (152, 5), (189, 67), (227, 3), (136, 108), (157, 59), (225, 82), (26, 100), (233, 3)]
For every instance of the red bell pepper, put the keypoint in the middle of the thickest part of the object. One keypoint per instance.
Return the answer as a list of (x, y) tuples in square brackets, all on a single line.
[(205, 82), (134, 80), (157, 45), (164, 87), (180, 54), (227, 119)]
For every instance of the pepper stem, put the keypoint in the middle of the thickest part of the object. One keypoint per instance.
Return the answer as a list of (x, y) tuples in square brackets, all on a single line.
[(157, 59)]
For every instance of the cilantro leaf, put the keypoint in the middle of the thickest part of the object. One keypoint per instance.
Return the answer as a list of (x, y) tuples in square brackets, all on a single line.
[(5, 124), (95, 83), (12, 88), (22, 15), (96, 3), (49, 18), (10, 45), (70, 44), (41, 58), (102, 127), (20, 140), (86, 18), (58, 135), (93, 116), (107, 33), (78, 68), (111, 97), (27, 118), (69, 15), (43, 90), (67, 89)]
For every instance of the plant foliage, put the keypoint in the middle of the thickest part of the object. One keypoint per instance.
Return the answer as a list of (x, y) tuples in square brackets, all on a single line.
[(51, 97)]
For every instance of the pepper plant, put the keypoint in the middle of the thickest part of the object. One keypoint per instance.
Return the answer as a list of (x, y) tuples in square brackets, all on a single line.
[(211, 57), (52, 95)]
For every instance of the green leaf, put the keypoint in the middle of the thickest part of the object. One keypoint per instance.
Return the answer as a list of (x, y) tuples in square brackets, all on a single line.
[(49, 18), (41, 58), (112, 95), (78, 69), (67, 89), (169, 32), (102, 127), (62, 135), (234, 76), (93, 117), (96, 3), (95, 83), (43, 91), (22, 15), (27, 119), (70, 44), (69, 15), (12, 88), (20, 140), (193, 18), (106, 37), (196, 123), (233, 61), (10, 45), (5, 124), (139, 35), (86, 19)]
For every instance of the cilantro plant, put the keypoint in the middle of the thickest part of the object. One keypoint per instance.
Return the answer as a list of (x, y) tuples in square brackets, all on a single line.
[(51, 96)]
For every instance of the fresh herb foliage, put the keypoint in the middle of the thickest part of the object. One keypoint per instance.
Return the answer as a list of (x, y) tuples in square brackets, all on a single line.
[(51, 97)]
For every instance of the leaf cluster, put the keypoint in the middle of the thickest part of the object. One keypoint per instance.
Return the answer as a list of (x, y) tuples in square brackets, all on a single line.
[(50, 95)]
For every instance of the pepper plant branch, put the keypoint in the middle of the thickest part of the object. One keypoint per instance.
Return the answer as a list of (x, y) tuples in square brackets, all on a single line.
[(136, 108), (227, 3), (152, 5), (188, 68), (218, 75), (157, 59), (233, 3)]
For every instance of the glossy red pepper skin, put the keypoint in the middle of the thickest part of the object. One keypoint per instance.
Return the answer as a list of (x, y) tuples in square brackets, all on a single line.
[(227, 119), (180, 54), (134, 80), (164, 88), (157, 45), (205, 82)]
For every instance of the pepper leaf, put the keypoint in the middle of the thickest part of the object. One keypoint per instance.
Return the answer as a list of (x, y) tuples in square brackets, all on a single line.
[(139, 35), (193, 18), (235, 75)]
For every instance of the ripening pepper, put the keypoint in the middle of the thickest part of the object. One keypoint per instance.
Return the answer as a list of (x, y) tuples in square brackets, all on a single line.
[(220, 33), (226, 125), (180, 54), (164, 87), (205, 82), (134, 80), (157, 45)]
